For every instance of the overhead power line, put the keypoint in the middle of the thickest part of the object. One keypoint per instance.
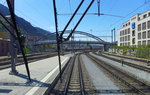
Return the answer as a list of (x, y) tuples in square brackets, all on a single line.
[(131, 12), (92, 14)]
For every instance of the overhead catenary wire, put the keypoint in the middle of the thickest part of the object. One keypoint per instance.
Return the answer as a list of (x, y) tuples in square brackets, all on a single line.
[(35, 10), (71, 10), (61, 35), (93, 14), (34, 21), (130, 13), (80, 20)]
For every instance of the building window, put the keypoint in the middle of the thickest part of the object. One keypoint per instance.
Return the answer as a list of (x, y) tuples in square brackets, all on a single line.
[(149, 14), (139, 35), (120, 33), (123, 32), (144, 35), (139, 42), (128, 30), (144, 43), (133, 41), (129, 23), (144, 16), (133, 33), (139, 18), (125, 38), (128, 43), (122, 38), (148, 24), (139, 27), (148, 34), (148, 42), (128, 37), (144, 26)]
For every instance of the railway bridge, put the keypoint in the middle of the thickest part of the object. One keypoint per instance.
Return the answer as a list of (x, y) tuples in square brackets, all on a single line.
[(43, 41)]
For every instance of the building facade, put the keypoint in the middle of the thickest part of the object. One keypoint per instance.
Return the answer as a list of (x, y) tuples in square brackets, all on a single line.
[(136, 31), (4, 47)]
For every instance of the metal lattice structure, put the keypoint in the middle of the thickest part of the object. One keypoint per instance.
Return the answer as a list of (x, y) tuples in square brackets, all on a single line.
[(87, 34), (82, 33)]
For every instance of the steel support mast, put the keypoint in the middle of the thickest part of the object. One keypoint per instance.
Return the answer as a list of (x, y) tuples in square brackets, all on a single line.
[(57, 37), (18, 36)]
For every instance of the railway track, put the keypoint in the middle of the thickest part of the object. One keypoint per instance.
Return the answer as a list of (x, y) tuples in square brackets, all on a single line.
[(6, 63), (137, 86), (140, 67), (128, 57), (75, 80)]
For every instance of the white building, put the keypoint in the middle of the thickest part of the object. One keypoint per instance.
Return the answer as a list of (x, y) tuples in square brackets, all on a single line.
[(136, 31)]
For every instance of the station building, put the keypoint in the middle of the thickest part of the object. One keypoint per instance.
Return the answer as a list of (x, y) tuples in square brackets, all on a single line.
[(136, 31)]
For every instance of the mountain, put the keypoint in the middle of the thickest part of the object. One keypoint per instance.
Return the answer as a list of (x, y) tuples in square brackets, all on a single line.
[(25, 25)]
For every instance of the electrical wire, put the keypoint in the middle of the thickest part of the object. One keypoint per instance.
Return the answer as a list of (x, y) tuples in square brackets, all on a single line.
[(92, 14), (130, 13), (71, 11), (34, 21)]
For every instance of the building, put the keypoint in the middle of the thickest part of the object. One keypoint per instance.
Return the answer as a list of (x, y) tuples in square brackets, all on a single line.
[(4, 47), (4, 35), (136, 31)]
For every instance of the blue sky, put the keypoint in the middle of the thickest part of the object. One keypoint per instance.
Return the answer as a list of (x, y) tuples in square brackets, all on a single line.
[(40, 13)]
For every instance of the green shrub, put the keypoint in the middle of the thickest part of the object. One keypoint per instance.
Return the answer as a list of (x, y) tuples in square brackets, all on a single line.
[(141, 51), (27, 50)]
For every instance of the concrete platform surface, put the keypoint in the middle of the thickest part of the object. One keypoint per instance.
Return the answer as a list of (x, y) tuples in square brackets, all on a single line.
[(42, 73), (129, 60)]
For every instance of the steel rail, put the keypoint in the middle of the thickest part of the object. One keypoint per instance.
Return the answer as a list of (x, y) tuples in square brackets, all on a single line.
[(49, 91), (69, 77), (81, 77), (33, 58), (132, 58), (109, 68), (143, 68)]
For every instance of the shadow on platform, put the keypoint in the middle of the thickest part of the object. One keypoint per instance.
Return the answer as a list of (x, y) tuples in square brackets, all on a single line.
[(5, 90), (33, 83)]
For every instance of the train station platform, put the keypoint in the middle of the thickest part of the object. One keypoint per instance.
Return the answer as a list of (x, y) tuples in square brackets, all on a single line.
[(139, 74), (42, 72), (129, 60)]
